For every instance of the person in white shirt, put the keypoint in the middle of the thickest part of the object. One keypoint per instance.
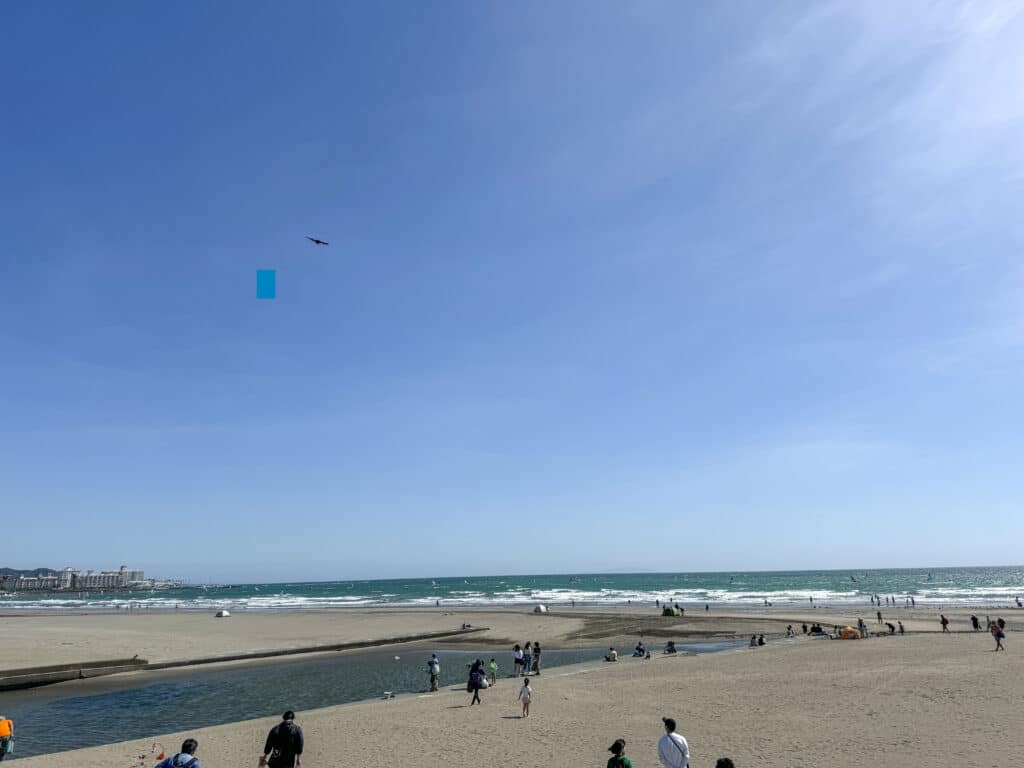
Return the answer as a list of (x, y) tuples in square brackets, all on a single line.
[(673, 751)]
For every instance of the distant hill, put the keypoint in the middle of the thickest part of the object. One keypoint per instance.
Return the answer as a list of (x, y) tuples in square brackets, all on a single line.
[(14, 573)]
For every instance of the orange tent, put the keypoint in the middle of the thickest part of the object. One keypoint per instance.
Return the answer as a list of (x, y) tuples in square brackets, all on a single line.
[(849, 633)]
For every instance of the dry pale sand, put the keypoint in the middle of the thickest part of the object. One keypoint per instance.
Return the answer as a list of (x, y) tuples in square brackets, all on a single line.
[(920, 700)]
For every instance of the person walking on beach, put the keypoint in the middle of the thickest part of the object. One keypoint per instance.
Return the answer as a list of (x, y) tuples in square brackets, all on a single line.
[(6, 736), (527, 658), (525, 694), (536, 658), (945, 623), (434, 668), (673, 751), (901, 625), (476, 682), (879, 615), (998, 634), (184, 759), (283, 748), (618, 758)]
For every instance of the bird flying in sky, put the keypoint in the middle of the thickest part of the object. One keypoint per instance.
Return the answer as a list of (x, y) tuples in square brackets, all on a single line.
[(317, 242)]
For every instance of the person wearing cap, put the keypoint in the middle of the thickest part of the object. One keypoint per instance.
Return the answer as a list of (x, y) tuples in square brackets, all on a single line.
[(673, 751), (184, 759), (618, 758), (284, 744)]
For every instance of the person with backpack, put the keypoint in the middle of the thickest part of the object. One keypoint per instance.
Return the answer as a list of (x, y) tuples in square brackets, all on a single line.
[(476, 681), (184, 759), (283, 748), (618, 758), (6, 736)]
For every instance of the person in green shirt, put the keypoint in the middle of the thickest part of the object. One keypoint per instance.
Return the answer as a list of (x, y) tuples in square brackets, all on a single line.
[(618, 758)]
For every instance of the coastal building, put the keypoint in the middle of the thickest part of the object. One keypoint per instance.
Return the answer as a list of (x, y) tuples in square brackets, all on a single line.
[(35, 582), (74, 580)]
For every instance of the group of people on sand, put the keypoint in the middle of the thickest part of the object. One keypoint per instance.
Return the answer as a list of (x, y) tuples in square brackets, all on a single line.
[(673, 751), (756, 641), (481, 677), (282, 749), (641, 651), (996, 627), (525, 659)]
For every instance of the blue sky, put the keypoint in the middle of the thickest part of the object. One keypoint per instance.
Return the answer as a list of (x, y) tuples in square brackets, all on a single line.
[(610, 286)]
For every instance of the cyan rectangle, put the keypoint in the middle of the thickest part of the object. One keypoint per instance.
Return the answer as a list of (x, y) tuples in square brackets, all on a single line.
[(266, 284)]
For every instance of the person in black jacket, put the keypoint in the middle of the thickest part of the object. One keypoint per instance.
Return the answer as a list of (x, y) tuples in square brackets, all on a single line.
[(284, 744)]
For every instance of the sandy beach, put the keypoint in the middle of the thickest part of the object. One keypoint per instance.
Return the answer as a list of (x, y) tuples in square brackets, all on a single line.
[(919, 700), (58, 638)]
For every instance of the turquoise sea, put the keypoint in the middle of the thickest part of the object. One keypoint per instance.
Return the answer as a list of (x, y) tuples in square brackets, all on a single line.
[(929, 586)]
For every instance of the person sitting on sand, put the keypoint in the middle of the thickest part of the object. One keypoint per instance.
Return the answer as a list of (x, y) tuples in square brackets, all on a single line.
[(789, 632), (284, 745), (639, 651), (184, 759), (753, 641), (670, 646), (760, 640), (613, 655), (618, 758), (525, 694)]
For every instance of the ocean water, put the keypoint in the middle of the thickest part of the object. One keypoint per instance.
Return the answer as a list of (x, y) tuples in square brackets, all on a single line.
[(59, 718), (935, 586)]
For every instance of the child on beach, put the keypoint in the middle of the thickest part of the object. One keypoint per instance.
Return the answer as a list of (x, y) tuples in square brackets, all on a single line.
[(493, 670), (525, 693)]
